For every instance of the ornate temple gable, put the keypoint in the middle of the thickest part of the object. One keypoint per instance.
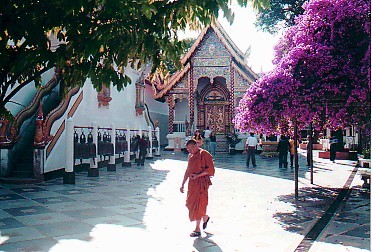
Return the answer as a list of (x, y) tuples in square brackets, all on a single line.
[(209, 49), (242, 80), (241, 83), (213, 54), (241, 86), (211, 73)]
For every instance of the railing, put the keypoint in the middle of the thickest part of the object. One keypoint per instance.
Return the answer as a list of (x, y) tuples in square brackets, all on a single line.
[(91, 142)]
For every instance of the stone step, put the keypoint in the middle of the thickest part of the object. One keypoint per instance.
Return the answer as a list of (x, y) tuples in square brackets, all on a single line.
[(23, 167), (22, 174), (19, 180)]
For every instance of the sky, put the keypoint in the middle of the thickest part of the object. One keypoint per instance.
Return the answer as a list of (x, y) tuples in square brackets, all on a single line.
[(244, 33)]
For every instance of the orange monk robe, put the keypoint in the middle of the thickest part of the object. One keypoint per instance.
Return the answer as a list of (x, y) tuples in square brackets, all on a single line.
[(197, 193)]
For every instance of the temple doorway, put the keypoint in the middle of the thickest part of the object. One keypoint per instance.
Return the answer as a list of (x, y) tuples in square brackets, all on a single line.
[(215, 117), (213, 108)]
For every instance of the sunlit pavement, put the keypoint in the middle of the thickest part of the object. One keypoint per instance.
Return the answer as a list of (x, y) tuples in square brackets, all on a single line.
[(141, 209)]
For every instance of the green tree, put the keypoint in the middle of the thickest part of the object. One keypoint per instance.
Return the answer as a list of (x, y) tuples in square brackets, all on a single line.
[(94, 38), (280, 14)]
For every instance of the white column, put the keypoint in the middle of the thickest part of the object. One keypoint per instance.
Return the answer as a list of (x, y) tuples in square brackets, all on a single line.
[(157, 134), (127, 153), (93, 170), (149, 154), (69, 175), (111, 165)]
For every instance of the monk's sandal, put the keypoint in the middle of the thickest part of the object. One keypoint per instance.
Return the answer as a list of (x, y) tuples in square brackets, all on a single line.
[(206, 223), (195, 234)]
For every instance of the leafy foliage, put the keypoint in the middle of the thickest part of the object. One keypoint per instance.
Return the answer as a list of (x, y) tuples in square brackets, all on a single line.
[(94, 38), (322, 72), (281, 14)]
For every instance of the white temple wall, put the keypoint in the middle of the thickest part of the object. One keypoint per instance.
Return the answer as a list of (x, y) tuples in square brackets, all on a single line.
[(120, 112), (158, 111)]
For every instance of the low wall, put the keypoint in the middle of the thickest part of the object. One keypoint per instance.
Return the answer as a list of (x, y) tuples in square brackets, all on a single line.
[(351, 155), (269, 149), (315, 146)]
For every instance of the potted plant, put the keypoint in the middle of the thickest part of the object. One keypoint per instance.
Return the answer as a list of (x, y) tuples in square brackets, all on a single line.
[(232, 140)]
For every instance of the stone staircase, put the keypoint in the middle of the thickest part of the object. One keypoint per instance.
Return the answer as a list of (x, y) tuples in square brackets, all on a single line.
[(23, 167)]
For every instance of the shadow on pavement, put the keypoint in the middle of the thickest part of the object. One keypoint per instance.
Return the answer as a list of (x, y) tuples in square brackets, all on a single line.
[(201, 244), (55, 216), (314, 210)]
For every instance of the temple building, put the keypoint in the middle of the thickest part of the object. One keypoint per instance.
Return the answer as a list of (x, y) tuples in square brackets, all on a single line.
[(205, 92)]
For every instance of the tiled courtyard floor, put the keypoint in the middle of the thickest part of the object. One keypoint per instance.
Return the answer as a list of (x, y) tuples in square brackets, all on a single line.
[(141, 209)]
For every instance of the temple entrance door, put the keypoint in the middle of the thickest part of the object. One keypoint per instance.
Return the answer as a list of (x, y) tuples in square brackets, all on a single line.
[(215, 117)]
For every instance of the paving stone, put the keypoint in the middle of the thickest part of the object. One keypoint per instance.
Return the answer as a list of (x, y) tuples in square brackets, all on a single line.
[(141, 209)]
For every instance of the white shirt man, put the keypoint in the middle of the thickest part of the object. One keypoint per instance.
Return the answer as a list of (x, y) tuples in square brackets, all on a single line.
[(207, 140), (207, 133), (251, 141), (251, 145)]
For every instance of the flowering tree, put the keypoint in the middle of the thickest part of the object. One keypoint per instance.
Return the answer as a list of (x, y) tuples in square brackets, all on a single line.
[(321, 75)]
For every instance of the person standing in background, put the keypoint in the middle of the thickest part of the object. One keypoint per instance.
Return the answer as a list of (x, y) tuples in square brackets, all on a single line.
[(213, 143), (292, 148), (198, 138), (283, 147), (142, 146), (333, 143), (308, 151), (207, 133), (251, 146)]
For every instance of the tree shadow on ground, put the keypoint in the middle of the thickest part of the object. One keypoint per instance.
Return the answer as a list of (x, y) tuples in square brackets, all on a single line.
[(309, 207), (314, 205)]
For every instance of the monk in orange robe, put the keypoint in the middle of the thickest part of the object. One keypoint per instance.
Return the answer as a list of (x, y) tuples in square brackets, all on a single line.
[(199, 170)]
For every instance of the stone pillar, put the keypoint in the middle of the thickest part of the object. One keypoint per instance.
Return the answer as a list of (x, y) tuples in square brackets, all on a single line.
[(127, 153), (157, 134), (232, 98), (93, 170), (111, 165), (191, 99), (69, 175), (171, 113)]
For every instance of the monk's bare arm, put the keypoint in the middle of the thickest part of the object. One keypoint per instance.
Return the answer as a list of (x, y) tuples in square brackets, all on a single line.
[(185, 177)]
